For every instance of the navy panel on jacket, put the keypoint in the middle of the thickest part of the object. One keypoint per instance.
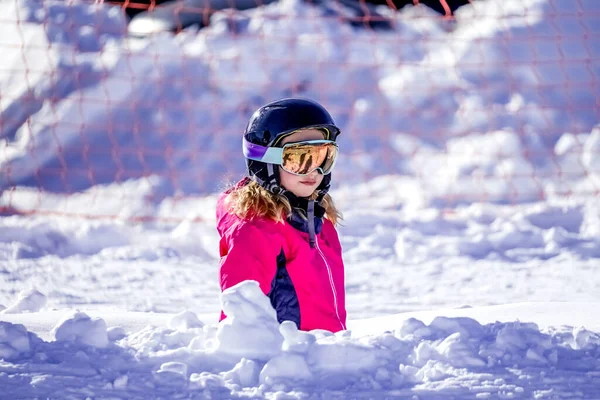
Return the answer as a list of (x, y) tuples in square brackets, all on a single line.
[(283, 294)]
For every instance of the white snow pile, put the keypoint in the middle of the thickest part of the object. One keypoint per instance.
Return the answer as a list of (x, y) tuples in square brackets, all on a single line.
[(251, 355), (81, 329), (15, 340), (30, 300), (51, 50)]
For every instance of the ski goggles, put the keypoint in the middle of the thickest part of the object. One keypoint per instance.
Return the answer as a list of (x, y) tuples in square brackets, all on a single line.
[(299, 158)]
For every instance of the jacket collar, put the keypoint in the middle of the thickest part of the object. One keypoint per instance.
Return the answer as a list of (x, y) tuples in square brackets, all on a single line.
[(298, 219)]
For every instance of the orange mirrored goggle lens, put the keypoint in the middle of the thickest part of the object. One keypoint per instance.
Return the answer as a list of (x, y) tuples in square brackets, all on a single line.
[(302, 158)]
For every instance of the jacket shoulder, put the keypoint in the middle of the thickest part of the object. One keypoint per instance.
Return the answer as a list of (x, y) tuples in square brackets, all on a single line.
[(229, 224), (330, 234)]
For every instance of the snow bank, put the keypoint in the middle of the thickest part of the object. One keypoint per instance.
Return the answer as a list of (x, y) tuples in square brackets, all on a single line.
[(15, 341), (493, 77), (30, 300), (50, 51), (250, 352)]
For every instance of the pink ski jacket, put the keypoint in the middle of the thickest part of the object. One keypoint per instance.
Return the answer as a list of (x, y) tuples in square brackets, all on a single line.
[(305, 285)]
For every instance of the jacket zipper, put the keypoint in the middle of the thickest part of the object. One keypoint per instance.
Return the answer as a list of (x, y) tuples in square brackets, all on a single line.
[(335, 303)]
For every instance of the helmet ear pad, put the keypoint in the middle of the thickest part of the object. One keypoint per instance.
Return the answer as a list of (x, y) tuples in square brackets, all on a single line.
[(260, 170)]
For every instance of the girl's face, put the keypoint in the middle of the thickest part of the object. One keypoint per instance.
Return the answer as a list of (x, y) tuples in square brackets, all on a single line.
[(301, 185)]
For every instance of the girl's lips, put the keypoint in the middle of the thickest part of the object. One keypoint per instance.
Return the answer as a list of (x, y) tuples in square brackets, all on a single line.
[(310, 183)]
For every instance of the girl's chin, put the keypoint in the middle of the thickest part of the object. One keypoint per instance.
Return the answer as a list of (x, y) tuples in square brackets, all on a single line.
[(304, 191)]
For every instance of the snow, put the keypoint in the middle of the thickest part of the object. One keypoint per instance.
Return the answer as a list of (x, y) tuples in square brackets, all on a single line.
[(447, 355), (469, 182), (28, 301), (81, 329)]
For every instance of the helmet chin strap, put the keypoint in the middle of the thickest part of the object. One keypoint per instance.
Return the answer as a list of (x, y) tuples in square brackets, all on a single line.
[(311, 209), (273, 186), (310, 214)]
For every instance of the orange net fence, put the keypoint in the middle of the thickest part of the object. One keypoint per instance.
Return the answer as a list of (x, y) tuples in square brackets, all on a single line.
[(116, 110)]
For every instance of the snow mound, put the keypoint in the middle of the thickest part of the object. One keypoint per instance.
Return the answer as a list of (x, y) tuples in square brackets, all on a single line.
[(79, 328), (456, 356), (30, 300), (52, 49), (251, 329), (253, 350), (14, 340)]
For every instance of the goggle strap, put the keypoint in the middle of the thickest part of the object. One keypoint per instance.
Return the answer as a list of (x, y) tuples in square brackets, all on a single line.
[(256, 152)]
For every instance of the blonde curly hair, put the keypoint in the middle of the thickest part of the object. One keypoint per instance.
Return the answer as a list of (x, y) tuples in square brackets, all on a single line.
[(253, 201)]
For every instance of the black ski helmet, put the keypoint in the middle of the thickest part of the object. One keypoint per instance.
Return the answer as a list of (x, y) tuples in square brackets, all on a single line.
[(278, 119)]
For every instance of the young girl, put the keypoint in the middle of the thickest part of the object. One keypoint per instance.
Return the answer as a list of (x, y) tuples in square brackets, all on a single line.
[(277, 225)]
